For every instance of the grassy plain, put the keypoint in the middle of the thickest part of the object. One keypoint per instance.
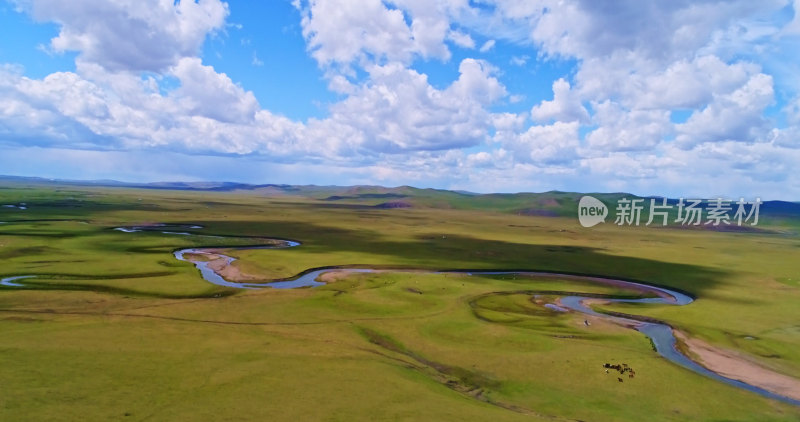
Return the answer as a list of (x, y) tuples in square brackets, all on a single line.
[(114, 328)]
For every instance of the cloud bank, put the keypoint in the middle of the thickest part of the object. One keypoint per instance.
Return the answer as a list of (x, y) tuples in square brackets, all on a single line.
[(662, 95)]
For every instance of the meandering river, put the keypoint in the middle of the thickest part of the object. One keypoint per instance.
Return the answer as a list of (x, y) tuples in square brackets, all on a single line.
[(661, 334)]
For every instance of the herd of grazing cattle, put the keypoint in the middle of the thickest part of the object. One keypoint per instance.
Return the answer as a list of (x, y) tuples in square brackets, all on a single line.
[(621, 368)]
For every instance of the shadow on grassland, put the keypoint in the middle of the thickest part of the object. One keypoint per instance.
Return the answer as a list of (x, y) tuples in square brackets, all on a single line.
[(459, 252), (397, 249), (77, 282)]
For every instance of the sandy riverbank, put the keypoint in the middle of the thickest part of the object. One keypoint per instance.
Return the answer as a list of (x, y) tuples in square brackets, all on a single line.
[(734, 365)]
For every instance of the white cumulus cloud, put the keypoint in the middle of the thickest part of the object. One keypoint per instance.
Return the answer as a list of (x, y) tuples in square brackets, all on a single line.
[(130, 34), (566, 106)]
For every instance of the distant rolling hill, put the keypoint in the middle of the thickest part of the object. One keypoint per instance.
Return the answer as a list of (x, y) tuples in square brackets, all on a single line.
[(544, 204)]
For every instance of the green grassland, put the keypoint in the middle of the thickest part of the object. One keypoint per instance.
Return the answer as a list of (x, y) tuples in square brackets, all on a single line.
[(115, 328)]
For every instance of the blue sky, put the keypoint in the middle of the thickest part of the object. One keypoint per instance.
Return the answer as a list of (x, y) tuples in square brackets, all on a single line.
[(672, 98)]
